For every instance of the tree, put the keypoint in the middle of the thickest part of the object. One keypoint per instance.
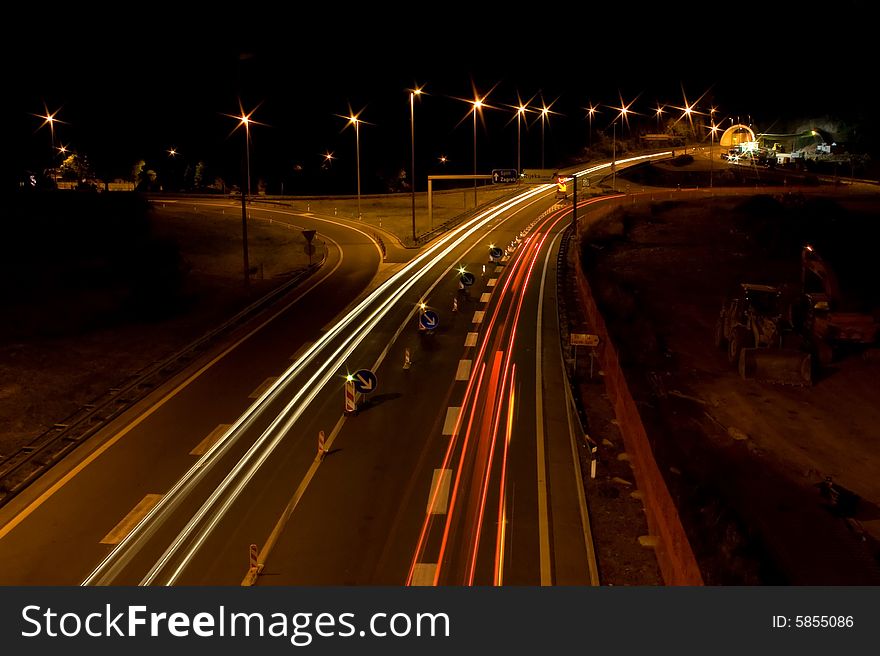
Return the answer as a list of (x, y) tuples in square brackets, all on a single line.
[(75, 167), (144, 178)]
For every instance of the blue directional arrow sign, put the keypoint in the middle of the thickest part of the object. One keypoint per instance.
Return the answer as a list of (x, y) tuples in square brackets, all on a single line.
[(365, 381), (496, 253), (429, 320), (467, 279)]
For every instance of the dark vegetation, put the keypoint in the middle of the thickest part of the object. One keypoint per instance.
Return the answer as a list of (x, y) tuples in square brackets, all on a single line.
[(76, 262)]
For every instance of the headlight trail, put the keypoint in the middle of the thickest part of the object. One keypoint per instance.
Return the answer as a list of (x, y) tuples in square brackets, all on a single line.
[(410, 274)]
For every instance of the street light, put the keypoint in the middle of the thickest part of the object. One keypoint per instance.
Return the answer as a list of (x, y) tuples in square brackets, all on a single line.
[(623, 113), (519, 111), (478, 106), (49, 118), (353, 119), (244, 119), (590, 111), (417, 91), (712, 132), (659, 112), (246, 122)]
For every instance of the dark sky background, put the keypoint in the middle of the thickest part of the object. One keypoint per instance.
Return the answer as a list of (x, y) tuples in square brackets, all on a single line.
[(147, 78)]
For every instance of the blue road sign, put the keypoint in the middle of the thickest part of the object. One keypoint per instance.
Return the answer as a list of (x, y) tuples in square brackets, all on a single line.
[(365, 381), (496, 253), (467, 279), (429, 320)]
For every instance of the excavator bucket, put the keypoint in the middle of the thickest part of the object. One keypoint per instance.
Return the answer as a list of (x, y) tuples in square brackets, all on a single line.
[(784, 366)]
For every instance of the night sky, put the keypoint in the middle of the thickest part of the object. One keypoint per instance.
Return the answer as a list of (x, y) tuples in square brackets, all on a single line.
[(148, 79)]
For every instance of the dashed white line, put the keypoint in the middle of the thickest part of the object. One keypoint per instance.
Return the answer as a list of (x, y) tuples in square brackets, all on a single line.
[(266, 384), (485, 297), (302, 349), (464, 370), (478, 316), (471, 339), (491, 282), (438, 499), (423, 573), (209, 441), (123, 528), (451, 419)]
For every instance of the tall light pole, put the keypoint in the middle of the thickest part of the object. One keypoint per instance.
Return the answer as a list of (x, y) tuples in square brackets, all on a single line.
[(49, 119), (520, 112), (544, 112), (712, 131), (622, 112), (245, 120), (417, 91), (353, 119), (245, 190), (659, 112), (478, 106), (590, 111)]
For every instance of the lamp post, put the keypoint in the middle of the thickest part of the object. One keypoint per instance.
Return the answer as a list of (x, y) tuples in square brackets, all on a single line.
[(590, 111), (245, 190), (50, 120), (353, 119), (478, 106), (624, 109), (417, 91), (520, 112), (712, 132), (659, 112), (544, 111)]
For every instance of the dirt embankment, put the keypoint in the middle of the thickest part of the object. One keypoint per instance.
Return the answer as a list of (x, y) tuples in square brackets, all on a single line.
[(746, 461)]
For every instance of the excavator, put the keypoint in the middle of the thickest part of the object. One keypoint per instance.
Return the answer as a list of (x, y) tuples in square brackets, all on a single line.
[(756, 328), (773, 333), (827, 320)]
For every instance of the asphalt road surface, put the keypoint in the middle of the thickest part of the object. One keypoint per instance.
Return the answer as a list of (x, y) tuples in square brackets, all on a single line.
[(459, 469)]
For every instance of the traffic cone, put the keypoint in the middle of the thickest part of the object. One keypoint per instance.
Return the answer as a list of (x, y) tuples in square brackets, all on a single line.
[(406, 361)]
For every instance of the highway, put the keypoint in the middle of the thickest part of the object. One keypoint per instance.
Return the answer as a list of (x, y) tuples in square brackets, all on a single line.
[(458, 470)]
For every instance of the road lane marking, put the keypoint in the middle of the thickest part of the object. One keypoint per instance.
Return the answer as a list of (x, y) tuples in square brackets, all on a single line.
[(66, 478), (423, 574), (543, 514), (491, 282), (499, 269), (305, 347), (464, 370), (451, 419), (292, 504), (123, 528), (438, 499), (478, 316), (485, 297), (471, 339), (209, 441), (266, 384)]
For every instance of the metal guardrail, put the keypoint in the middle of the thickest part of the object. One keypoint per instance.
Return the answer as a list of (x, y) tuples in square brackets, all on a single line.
[(447, 225), (24, 466)]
